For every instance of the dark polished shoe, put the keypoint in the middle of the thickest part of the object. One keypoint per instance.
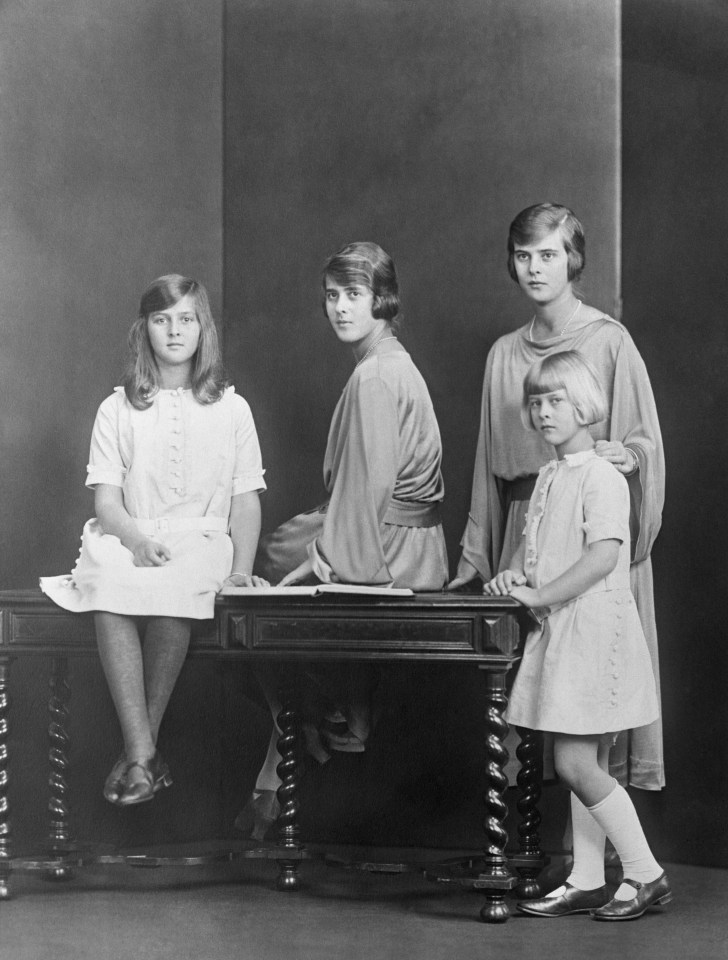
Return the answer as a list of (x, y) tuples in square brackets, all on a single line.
[(572, 900), (259, 814), (154, 775), (338, 737), (313, 743), (655, 894), (114, 785)]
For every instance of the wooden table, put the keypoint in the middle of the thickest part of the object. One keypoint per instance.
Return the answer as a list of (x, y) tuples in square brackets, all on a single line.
[(476, 631)]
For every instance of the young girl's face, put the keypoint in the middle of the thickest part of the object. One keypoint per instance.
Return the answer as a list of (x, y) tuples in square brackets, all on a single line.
[(542, 268), (349, 309), (553, 415), (174, 333)]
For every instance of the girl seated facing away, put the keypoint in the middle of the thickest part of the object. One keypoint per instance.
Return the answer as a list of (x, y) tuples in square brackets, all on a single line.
[(381, 524), (176, 471)]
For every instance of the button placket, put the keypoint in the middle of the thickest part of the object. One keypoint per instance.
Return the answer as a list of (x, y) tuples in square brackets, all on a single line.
[(175, 472), (614, 659)]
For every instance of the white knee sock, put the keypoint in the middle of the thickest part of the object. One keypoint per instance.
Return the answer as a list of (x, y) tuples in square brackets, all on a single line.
[(617, 816), (587, 872)]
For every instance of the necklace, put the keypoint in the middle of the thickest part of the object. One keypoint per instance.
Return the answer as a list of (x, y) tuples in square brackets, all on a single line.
[(563, 329), (375, 344)]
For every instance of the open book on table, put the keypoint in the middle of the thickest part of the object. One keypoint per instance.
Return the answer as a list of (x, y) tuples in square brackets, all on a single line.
[(316, 590)]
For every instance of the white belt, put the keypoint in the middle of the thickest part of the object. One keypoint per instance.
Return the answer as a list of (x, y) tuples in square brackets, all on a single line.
[(177, 524)]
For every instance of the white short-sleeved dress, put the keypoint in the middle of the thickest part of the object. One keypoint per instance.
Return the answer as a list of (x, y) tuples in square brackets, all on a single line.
[(179, 463), (586, 669)]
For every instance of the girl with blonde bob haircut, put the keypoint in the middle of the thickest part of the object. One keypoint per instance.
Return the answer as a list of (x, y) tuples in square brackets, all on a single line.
[(585, 672), (575, 375)]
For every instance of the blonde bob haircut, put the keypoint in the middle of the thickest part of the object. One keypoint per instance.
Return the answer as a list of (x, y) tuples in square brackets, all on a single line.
[(141, 380), (576, 376)]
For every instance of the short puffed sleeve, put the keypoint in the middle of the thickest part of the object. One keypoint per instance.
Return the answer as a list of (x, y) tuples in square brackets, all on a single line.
[(106, 463), (248, 471), (606, 503)]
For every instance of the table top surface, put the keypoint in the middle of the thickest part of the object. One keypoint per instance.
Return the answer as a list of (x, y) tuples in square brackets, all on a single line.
[(35, 597)]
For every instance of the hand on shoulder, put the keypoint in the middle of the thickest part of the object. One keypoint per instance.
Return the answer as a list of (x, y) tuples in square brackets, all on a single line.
[(615, 452)]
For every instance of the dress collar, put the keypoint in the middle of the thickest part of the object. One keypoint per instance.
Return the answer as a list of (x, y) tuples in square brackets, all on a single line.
[(576, 459)]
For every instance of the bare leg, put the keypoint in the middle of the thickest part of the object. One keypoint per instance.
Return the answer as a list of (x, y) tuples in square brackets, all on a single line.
[(165, 647), (578, 761), (140, 679), (120, 652)]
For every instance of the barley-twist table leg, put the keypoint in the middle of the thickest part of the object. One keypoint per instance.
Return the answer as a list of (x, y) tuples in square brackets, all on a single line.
[(288, 829), (530, 857), (495, 909), (59, 832), (5, 864)]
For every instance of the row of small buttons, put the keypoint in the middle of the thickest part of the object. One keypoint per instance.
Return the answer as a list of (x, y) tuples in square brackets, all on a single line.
[(176, 445), (615, 651)]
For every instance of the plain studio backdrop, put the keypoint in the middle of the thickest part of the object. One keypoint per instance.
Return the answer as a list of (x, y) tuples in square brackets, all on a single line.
[(242, 143)]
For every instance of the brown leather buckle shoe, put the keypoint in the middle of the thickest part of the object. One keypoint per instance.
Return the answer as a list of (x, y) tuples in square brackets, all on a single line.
[(655, 894), (572, 900)]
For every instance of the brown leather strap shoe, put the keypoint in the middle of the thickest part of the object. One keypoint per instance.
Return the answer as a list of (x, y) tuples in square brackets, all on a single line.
[(572, 900)]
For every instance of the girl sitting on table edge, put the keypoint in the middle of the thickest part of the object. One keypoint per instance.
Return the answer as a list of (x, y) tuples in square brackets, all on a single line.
[(176, 471)]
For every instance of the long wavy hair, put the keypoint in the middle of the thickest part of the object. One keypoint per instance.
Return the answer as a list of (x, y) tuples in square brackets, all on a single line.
[(141, 380)]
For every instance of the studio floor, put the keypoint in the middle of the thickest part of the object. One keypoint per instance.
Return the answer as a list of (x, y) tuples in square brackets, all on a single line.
[(232, 910)]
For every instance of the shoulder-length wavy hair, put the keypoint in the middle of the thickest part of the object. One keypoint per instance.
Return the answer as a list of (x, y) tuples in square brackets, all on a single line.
[(141, 380), (571, 372), (367, 264), (538, 221)]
